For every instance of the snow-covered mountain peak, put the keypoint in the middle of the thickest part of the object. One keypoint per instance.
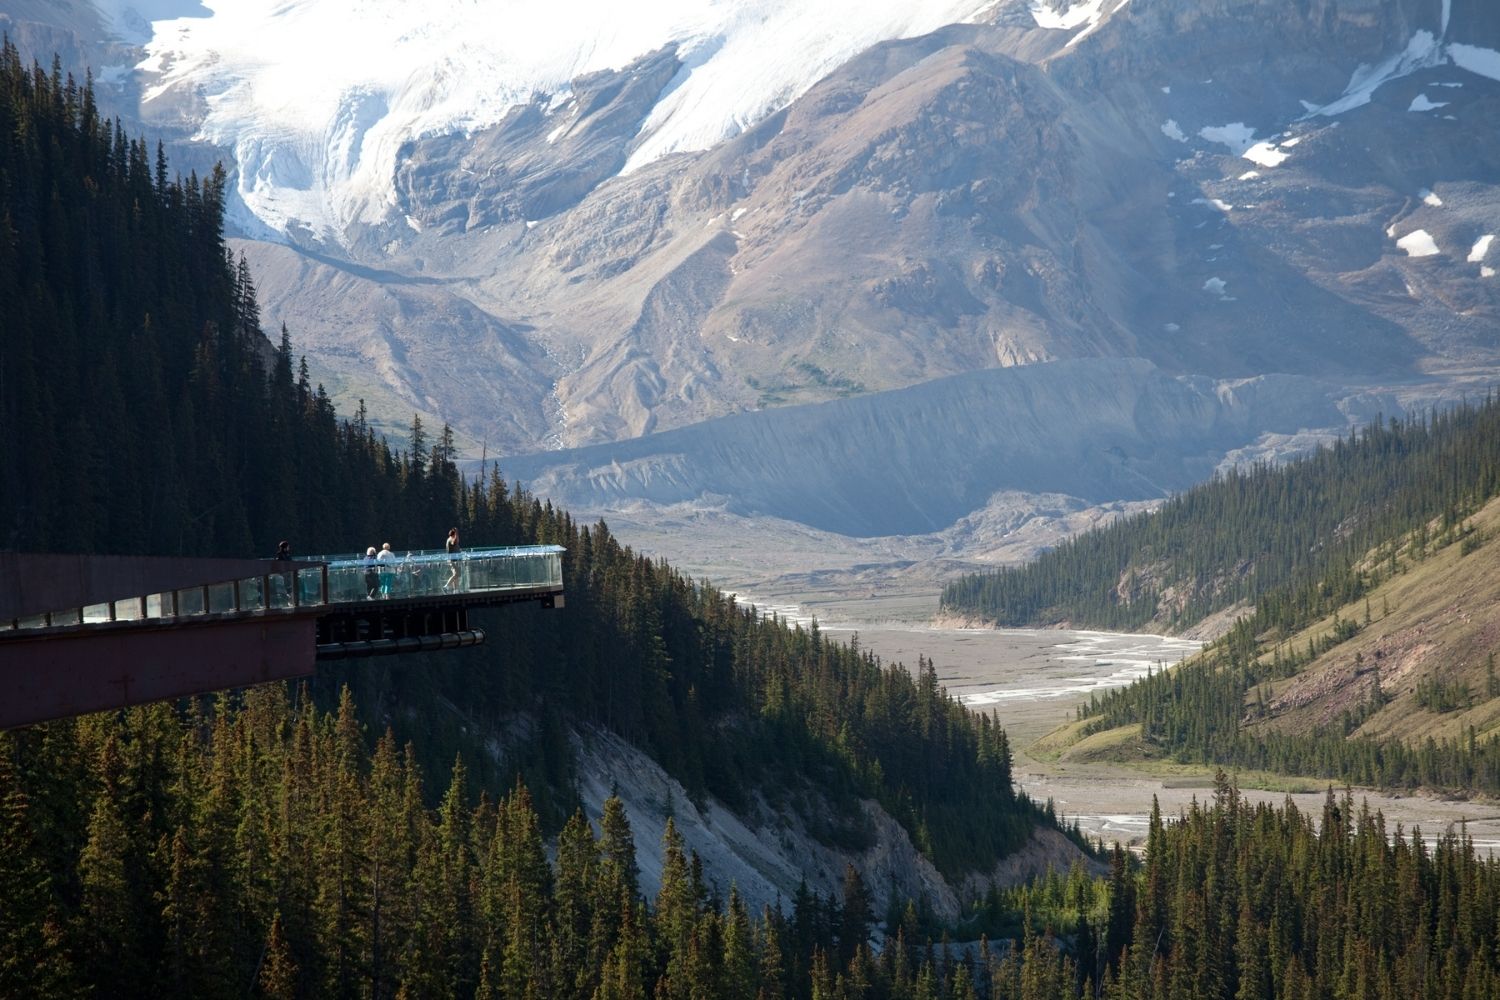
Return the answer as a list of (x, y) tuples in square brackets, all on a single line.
[(316, 97)]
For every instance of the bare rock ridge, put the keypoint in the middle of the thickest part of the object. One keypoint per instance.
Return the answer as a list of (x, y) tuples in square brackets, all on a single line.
[(536, 162), (916, 460)]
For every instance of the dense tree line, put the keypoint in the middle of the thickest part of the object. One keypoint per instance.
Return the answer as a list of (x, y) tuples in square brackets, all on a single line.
[(255, 846), (1253, 901), (1241, 901), (1288, 540)]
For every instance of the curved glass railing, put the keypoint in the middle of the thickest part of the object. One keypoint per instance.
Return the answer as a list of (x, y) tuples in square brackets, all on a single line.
[(430, 573), (333, 580)]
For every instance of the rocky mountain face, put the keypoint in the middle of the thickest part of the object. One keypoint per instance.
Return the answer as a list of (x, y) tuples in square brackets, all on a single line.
[(987, 195), (1092, 429), (766, 856), (1189, 195)]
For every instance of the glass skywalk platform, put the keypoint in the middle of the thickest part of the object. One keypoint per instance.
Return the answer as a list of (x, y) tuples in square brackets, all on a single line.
[(331, 584), (269, 621)]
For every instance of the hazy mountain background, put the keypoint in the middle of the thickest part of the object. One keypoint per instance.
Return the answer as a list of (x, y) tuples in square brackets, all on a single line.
[(910, 286)]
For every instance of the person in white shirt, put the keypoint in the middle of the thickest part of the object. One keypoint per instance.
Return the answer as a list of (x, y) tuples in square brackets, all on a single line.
[(387, 561)]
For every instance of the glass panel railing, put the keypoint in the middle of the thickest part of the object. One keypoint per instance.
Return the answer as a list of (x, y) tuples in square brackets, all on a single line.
[(433, 574), (220, 598), (310, 586), (253, 594), (190, 601), (344, 580)]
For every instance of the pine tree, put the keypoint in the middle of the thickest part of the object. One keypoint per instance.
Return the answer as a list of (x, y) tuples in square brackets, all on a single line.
[(33, 957), (675, 911), (855, 915), (739, 966), (278, 973), (577, 869)]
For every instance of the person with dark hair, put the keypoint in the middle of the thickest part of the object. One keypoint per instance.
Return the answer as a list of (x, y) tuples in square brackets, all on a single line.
[(453, 550), (372, 575), (282, 582)]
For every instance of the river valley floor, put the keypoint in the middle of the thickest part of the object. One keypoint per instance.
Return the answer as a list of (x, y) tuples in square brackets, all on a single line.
[(1034, 679)]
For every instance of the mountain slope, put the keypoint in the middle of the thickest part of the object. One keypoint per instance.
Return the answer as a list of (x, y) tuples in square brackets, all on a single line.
[(1228, 189), (1363, 649), (915, 460), (1432, 627), (970, 198)]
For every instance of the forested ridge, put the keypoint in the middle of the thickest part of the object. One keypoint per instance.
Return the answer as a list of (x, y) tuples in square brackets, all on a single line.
[(157, 418), (1428, 478), (1283, 539), (1220, 708), (143, 409), (259, 848)]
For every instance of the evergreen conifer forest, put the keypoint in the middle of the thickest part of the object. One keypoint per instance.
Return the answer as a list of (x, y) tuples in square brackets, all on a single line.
[(354, 838), (1286, 540), (260, 848)]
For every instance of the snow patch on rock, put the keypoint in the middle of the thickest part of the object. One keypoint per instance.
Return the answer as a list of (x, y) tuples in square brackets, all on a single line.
[(1418, 243), (1265, 154), (1476, 59), (1422, 52), (1240, 140), (1087, 14), (1236, 135)]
